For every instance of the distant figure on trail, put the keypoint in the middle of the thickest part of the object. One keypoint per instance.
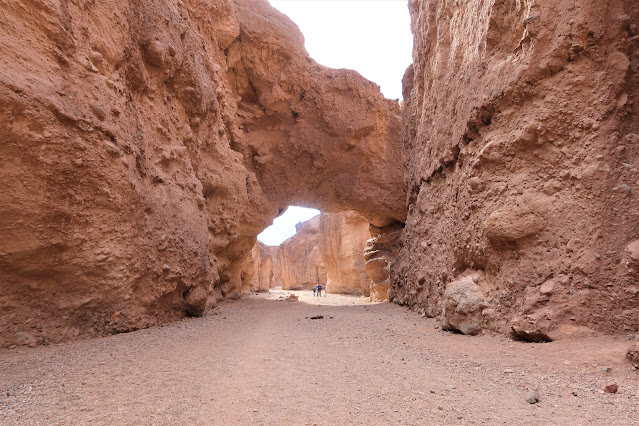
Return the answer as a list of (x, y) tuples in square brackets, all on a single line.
[(314, 290), (319, 291)]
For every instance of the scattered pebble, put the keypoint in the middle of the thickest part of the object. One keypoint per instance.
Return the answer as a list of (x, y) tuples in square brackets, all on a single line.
[(533, 397), (611, 388)]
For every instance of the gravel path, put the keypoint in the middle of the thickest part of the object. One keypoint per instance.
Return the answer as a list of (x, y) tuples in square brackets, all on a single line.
[(262, 360)]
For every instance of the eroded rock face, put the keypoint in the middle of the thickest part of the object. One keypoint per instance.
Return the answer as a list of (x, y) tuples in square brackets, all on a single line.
[(520, 140), (262, 266), (327, 250), (145, 145), (299, 261), (379, 256), (342, 242)]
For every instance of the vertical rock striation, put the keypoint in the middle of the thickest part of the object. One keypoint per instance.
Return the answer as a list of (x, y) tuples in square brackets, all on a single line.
[(299, 261), (261, 265), (343, 238)]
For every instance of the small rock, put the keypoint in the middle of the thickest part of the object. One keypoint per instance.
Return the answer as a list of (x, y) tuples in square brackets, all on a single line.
[(474, 183), (155, 53), (611, 388), (622, 188), (24, 339), (547, 288), (99, 111), (533, 397)]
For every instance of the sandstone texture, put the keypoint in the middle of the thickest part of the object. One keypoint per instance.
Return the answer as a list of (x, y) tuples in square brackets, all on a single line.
[(261, 265), (379, 256), (299, 261), (343, 238), (327, 250), (520, 140), (144, 145)]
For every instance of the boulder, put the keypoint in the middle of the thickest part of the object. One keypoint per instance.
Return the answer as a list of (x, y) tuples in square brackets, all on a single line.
[(196, 300), (462, 306)]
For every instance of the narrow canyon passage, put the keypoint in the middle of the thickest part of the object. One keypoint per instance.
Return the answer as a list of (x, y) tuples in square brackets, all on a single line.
[(262, 360)]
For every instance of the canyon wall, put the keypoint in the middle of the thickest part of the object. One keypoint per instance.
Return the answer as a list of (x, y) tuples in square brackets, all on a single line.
[(300, 265), (146, 144), (342, 241), (261, 268), (521, 139), (327, 250)]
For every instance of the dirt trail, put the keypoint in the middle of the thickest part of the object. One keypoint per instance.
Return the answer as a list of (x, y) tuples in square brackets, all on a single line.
[(264, 361)]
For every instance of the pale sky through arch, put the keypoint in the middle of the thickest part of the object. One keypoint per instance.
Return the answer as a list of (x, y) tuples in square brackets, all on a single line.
[(372, 37)]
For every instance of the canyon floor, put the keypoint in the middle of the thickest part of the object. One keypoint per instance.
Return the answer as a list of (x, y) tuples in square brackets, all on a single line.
[(262, 360)]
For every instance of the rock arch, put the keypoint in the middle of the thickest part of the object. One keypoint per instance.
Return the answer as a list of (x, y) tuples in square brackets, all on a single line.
[(141, 158)]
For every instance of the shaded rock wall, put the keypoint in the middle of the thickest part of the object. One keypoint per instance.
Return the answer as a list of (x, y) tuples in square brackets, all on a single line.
[(261, 266), (300, 264), (342, 241), (273, 251), (520, 135), (380, 257), (144, 147), (326, 250)]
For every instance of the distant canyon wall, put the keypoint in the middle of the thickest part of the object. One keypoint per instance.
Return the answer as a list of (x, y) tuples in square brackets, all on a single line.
[(299, 263), (343, 238), (327, 250), (260, 268), (520, 135)]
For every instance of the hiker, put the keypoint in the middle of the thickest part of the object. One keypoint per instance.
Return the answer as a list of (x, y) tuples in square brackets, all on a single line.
[(314, 290), (319, 291)]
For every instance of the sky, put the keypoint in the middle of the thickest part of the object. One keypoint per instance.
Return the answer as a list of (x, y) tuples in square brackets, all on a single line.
[(284, 226), (370, 36)]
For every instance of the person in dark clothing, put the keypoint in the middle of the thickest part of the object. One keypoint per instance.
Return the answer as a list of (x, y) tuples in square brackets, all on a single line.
[(319, 291)]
